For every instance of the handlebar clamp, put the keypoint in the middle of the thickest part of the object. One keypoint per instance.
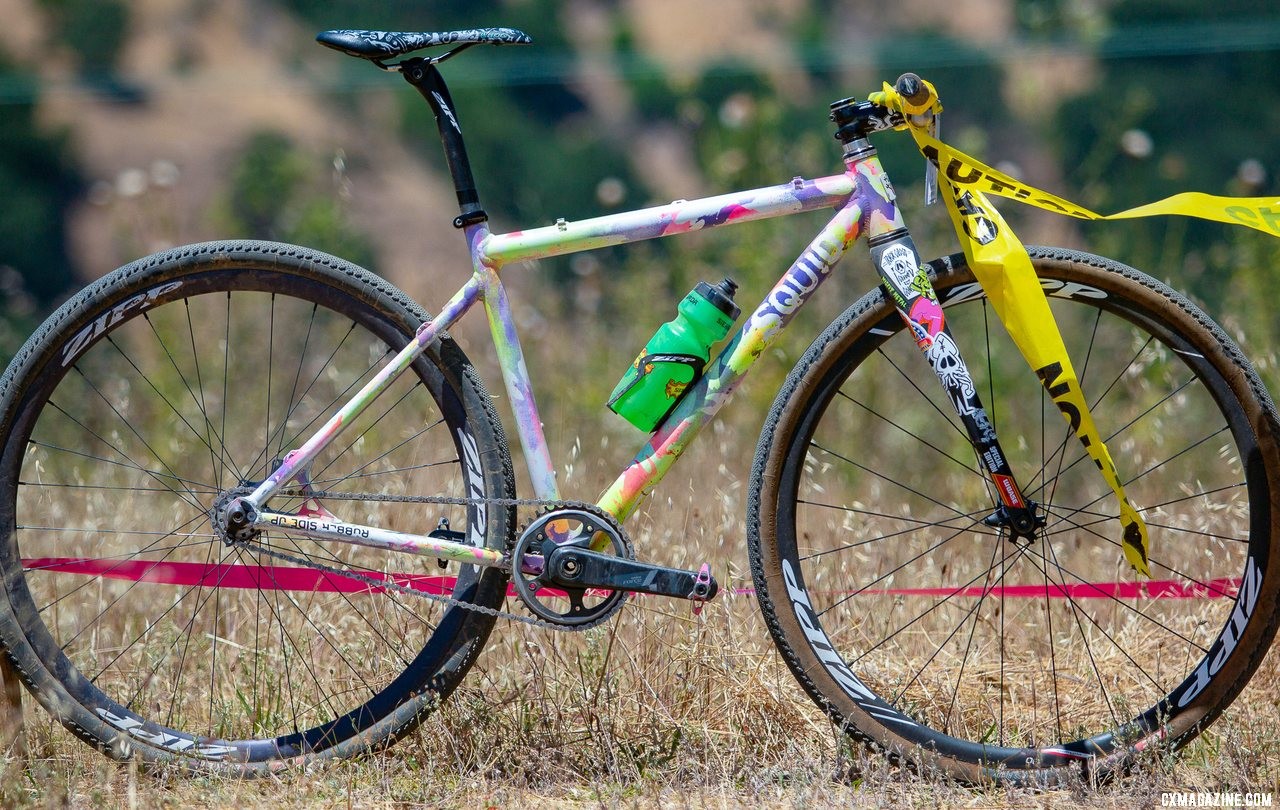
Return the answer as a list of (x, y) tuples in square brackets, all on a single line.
[(857, 119)]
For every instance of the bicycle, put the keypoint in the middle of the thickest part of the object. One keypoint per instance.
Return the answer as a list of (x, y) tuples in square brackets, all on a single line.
[(937, 564)]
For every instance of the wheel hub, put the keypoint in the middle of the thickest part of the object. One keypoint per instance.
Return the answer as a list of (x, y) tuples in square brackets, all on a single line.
[(1023, 525), (231, 515)]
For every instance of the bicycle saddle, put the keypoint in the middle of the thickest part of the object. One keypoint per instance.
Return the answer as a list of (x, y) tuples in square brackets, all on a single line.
[(385, 44)]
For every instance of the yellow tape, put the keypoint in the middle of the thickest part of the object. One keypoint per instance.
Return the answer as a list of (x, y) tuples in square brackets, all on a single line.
[(1004, 270), (958, 169)]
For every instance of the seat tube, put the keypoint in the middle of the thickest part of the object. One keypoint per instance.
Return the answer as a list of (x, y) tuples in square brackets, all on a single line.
[(515, 374), (897, 261)]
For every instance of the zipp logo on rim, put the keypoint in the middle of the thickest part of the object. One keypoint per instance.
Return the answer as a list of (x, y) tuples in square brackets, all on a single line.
[(169, 742), (102, 323), (825, 650), (1221, 650), (475, 487), (1051, 286)]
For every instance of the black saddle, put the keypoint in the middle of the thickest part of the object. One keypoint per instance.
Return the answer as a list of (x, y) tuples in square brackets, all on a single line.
[(387, 44)]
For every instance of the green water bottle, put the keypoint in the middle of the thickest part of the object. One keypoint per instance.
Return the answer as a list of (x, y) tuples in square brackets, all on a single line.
[(675, 356)]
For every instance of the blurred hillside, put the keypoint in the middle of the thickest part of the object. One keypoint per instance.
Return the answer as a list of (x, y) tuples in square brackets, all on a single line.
[(131, 126)]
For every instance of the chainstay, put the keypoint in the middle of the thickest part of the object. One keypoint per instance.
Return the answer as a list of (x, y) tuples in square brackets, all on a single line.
[(448, 501), (395, 586), (448, 601)]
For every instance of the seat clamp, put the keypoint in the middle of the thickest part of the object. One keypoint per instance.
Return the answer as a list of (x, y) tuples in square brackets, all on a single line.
[(470, 218)]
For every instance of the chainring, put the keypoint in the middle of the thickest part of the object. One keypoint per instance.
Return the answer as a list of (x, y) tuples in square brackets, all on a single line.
[(556, 602)]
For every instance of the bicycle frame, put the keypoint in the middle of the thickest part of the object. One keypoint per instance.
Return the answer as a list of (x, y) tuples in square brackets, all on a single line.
[(864, 204), (863, 201)]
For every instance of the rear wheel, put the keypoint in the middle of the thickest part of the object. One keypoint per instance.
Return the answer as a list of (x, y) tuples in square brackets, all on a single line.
[(927, 631), (158, 394)]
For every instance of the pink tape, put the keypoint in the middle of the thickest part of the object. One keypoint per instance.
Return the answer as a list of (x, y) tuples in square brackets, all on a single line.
[(256, 577), (269, 577)]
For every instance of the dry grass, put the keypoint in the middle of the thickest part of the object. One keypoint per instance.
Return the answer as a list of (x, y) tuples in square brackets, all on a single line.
[(659, 708), (655, 710)]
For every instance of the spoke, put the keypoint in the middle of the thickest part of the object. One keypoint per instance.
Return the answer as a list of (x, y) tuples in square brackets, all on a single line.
[(103, 487), (379, 496), (1157, 466), (149, 549), (208, 426), (891, 571), (147, 629), (1206, 586), (57, 564), (1004, 569), (1084, 456), (887, 479), (324, 635), (271, 348), (1120, 647), (370, 427), (321, 413), (1178, 454), (1053, 656), (1060, 452), (943, 601), (974, 526), (948, 417), (966, 466), (1114, 599), (147, 379), (395, 601), (186, 638), (189, 485), (1075, 613), (168, 471), (258, 598), (214, 460), (287, 643), (964, 659), (273, 604), (215, 633), (226, 389), (1098, 518), (293, 401)]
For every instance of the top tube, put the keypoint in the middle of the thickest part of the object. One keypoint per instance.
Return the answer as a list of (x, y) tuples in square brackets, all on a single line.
[(673, 218)]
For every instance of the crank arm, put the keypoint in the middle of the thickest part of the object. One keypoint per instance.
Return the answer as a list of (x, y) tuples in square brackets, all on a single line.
[(580, 568)]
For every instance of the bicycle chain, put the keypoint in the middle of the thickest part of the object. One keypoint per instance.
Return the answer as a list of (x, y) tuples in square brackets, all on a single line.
[(448, 601)]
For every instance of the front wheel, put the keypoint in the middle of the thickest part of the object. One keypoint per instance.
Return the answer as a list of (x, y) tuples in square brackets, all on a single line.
[(168, 388), (922, 628)]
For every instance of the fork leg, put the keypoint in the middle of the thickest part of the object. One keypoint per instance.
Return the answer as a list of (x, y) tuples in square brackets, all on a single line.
[(907, 281)]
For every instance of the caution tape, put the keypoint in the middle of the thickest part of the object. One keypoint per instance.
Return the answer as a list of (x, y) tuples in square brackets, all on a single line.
[(1003, 268)]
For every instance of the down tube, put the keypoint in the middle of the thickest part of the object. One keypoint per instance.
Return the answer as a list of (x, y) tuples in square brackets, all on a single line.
[(725, 373)]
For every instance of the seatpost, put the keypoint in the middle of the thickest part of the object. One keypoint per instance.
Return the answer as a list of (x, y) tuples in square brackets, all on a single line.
[(426, 78)]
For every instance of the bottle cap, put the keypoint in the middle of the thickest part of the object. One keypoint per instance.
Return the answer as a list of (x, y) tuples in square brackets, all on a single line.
[(721, 296)]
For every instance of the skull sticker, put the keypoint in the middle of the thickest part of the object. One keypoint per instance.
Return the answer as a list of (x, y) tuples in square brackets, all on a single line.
[(944, 356)]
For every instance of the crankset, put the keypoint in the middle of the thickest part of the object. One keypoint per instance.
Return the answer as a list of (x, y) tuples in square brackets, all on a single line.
[(576, 567)]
